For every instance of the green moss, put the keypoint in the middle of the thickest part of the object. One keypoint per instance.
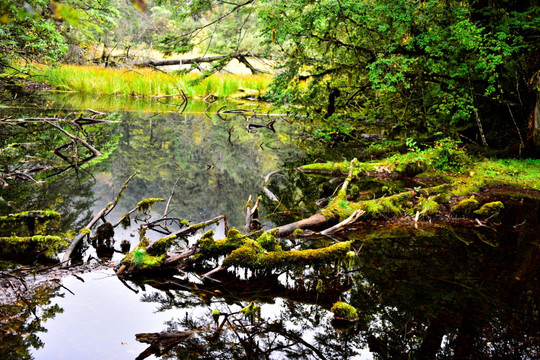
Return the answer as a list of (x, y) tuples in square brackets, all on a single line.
[(211, 249), (320, 286), (466, 206), (35, 214), (268, 241), (350, 259), (344, 311), (160, 246), (252, 312), (391, 205), (85, 231), (330, 167), (246, 255), (343, 167), (36, 221), (146, 204), (426, 207), (139, 258), (443, 189), (16, 246), (215, 315), (252, 255), (384, 147), (490, 209), (125, 221), (143, 260), (441, 199), (519, 173)]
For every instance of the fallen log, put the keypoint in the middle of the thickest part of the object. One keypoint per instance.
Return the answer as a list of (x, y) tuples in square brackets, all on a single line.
[(241, 57)]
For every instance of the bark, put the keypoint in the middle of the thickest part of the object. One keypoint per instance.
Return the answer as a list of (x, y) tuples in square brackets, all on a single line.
[(536, 113), (314, 222)]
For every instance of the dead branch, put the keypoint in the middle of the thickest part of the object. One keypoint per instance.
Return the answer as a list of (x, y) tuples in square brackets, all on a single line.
[(241, 57), (161, 342), (101, 214), (342, 225), (77, 139)]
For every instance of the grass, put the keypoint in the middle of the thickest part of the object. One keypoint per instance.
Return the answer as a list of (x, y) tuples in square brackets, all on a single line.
[(519, 173), (97, 80)]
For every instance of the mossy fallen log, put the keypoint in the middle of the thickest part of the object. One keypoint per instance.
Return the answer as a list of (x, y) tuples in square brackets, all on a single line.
[(30, 247), (242, 251), (35, 221), (251, 255)]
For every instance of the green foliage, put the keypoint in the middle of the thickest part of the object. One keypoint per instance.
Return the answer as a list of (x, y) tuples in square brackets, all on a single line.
[(445, 156), (29, 33), (204, 25), (420, 66)]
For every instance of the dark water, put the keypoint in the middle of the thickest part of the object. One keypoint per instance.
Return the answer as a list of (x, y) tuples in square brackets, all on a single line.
[(432, 291)]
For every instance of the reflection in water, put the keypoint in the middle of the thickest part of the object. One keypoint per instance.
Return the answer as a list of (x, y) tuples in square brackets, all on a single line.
[(193, 155), (432, 292), (21, 320)]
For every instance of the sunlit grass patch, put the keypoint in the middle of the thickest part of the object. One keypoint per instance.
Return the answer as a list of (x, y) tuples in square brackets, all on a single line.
[(147, 82)]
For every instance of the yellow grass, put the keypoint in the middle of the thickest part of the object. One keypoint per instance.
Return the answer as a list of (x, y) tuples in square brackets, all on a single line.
[(147, 82)]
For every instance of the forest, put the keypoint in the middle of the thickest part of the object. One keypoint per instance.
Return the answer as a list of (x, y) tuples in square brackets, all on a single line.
[(270, 179)]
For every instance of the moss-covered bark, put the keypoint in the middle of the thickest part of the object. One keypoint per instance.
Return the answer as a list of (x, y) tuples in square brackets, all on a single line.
[(16, 247)]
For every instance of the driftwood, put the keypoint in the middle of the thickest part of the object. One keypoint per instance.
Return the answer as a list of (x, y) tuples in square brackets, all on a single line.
[(172, 259), (252, 216)]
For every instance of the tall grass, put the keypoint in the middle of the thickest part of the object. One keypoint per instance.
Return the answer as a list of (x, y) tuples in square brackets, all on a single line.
[(146, 82)]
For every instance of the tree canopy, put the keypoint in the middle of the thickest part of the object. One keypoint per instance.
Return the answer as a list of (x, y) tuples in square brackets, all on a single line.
[(437, 66)]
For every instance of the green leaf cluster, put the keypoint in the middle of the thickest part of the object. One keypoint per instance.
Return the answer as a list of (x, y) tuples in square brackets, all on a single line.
[(419, 66)]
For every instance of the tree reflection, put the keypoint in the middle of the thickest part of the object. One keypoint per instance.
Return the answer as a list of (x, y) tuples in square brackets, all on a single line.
[(429, 292), (21, 320), (215, 175), (432, 295)]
